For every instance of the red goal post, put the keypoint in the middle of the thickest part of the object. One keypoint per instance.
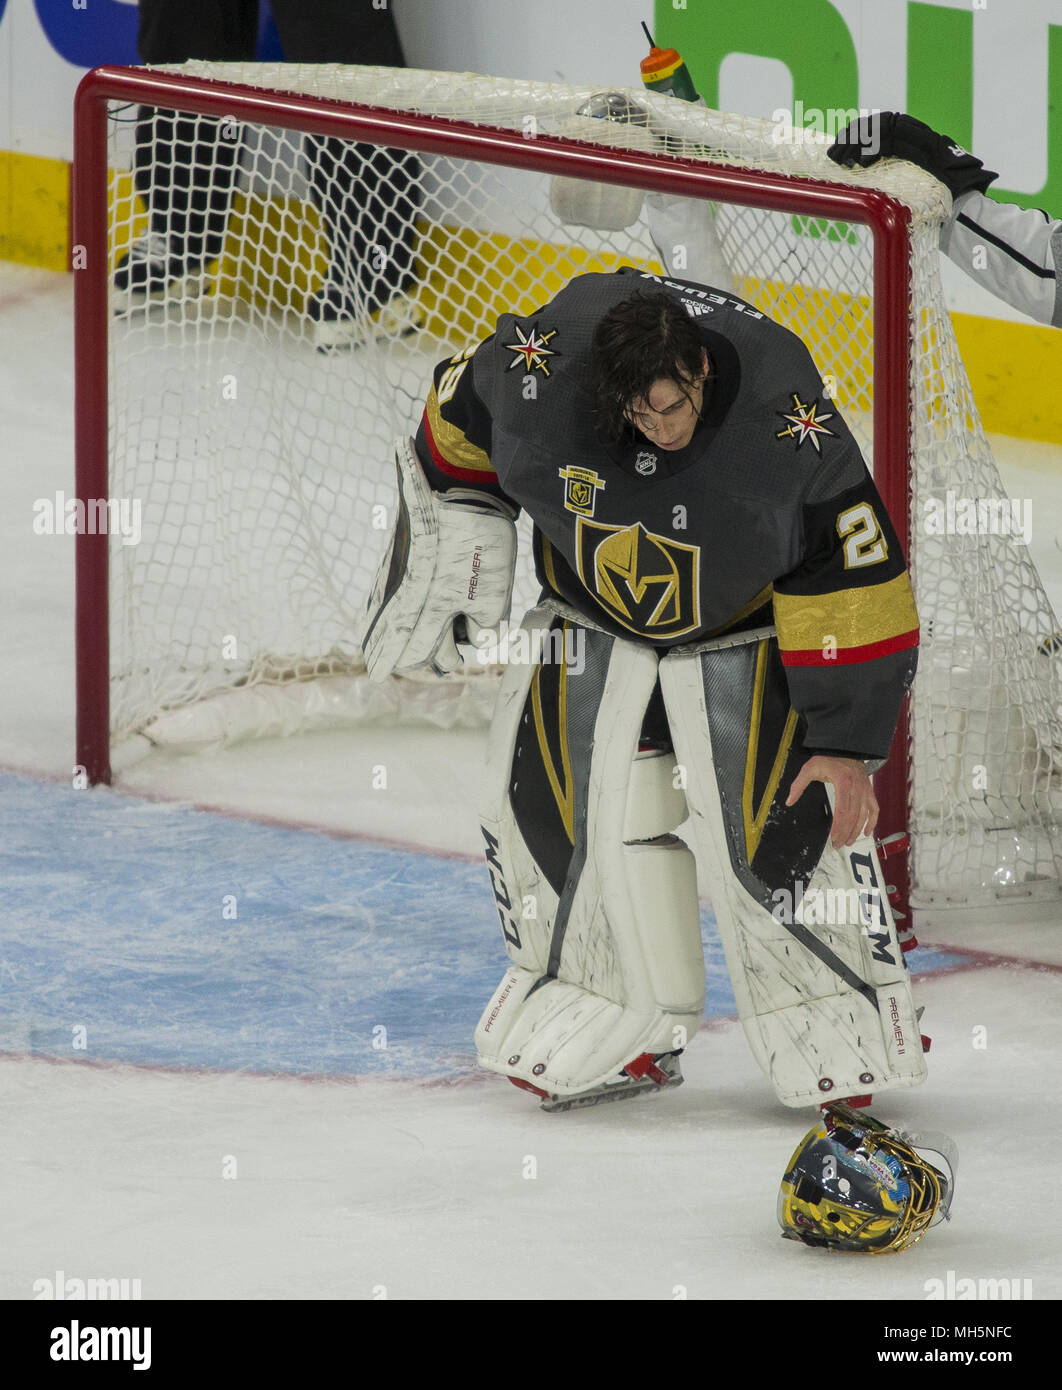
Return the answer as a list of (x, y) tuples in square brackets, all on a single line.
[(832, 200)]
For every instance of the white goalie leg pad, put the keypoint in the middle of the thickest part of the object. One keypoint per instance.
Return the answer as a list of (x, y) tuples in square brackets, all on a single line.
[(822, 988), (603, 935), (452, 556)]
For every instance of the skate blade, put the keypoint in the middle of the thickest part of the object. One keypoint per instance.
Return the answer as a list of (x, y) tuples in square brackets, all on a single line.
[(605, 1094)]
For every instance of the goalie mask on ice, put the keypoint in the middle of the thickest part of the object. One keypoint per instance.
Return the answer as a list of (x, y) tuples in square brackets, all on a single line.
[(598, 898), (447, 573), (856, 1185)]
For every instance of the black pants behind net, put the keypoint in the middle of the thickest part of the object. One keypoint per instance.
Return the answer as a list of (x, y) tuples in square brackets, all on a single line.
[(185, 167)]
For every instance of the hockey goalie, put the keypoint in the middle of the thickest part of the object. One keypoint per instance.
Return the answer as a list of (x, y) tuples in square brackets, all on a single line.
[(724, 636)]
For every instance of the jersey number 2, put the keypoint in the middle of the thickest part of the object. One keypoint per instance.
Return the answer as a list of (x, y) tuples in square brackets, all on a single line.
[(860, 530)]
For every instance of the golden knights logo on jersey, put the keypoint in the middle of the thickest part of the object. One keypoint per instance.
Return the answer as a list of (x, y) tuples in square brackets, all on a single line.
[(649, 583)]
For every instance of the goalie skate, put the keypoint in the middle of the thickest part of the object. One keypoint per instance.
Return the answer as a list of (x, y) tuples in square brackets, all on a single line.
[(644, 1076)]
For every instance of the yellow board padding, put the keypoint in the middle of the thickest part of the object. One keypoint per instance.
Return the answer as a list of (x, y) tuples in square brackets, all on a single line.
[(127, 216), (815, 316), (485, 269), (34, 210), (275, 254), (1011, 366)]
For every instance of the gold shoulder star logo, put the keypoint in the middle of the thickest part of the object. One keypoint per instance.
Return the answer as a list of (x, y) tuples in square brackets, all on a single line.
[(805, 423), (531, 351)]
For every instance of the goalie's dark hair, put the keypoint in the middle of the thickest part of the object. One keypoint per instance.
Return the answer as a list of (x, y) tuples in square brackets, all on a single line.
[(646, 338)]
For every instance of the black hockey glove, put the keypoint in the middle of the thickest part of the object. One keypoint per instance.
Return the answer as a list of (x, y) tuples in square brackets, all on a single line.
[(891, 133)]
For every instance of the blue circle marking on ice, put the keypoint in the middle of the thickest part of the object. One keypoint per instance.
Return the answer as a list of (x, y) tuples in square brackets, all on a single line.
[(184, 938)]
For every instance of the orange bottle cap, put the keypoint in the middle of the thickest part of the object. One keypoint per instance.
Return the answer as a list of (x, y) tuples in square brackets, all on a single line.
[(660, 63)]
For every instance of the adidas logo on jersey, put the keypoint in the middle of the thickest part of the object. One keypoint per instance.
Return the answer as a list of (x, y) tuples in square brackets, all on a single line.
[(694, 309)]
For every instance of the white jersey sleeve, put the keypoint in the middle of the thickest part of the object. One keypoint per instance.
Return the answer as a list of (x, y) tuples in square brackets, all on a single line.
[(1016, 253)]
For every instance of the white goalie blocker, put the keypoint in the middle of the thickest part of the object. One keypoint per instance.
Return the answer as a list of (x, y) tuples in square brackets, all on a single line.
[(450, 562)]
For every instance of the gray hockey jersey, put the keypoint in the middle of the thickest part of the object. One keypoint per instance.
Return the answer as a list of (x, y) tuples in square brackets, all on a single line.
[(769, 509)]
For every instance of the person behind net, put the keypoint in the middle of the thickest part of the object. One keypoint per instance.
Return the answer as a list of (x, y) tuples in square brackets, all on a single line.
[(185, 167), (1014, 252), (725, 634)]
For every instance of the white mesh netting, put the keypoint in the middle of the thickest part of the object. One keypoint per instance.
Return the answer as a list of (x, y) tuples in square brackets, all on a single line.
[(302, 289)]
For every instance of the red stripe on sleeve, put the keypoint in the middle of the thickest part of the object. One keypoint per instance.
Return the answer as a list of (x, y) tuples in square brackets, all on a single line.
[(851, 656)]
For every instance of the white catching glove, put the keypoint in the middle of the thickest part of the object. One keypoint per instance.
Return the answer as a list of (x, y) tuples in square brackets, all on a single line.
[(452, 556)]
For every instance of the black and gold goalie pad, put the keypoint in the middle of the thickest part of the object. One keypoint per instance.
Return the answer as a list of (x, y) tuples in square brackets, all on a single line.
[(821, 984), (597, 897)]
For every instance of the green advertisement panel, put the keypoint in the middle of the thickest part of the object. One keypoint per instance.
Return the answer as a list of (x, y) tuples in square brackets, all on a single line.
[(813, 40)]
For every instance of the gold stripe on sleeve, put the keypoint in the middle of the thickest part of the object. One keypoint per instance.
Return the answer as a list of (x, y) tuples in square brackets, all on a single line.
[(848, 617), (450, 441)]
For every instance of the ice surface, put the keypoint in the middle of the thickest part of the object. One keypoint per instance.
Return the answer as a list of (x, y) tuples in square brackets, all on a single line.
[(215, 1043)]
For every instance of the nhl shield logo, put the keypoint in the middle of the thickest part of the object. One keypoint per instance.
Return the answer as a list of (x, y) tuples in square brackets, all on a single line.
[(645, 463), (648, 583), (580, 491)]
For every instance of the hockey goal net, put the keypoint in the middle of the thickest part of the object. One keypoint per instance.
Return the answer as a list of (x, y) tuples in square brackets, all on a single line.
[(256, 468)]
